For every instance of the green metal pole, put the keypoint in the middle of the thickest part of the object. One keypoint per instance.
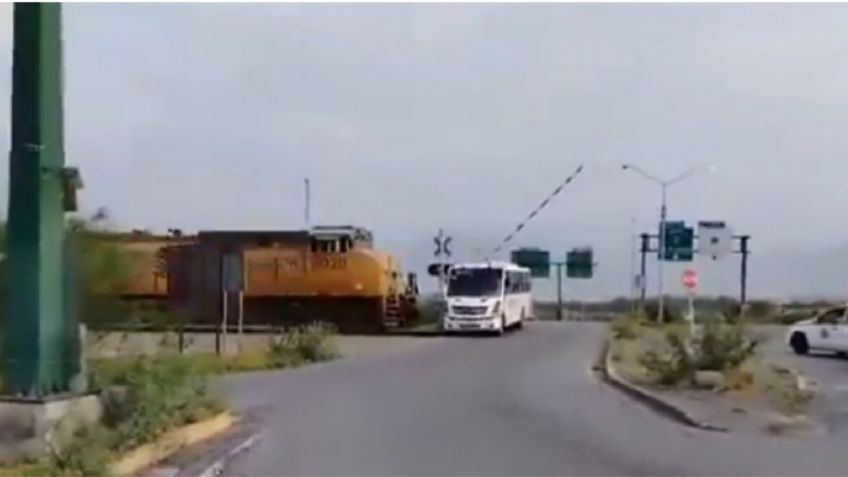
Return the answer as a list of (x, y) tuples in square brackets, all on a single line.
[(36, 344)]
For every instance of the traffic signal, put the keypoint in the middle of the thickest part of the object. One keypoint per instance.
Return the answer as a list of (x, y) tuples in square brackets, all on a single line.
[(434, 269)]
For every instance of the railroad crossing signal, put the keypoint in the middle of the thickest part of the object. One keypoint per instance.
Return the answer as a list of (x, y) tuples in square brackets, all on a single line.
[(442, 243), (438, 269), (579, 263), (678, 242)]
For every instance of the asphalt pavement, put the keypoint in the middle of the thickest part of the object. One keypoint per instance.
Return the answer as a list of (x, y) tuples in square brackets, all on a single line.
[(523, 404), (828, 371)]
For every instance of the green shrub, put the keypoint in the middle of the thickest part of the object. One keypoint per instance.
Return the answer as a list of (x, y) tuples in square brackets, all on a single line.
[(87, 454), (143, 397), (153, 394), (671, 365), (718, 347), (628, 326), (723, 346), (308, 343)]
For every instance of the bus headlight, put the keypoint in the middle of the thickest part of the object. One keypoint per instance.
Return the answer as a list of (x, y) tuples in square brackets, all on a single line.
[(497, 308)]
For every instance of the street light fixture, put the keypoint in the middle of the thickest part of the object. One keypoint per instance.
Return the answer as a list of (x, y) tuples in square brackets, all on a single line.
[(664, 185)]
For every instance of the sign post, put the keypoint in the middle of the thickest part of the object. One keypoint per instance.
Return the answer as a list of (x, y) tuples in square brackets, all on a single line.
[(690, 281), (442, 249), (232, 281)]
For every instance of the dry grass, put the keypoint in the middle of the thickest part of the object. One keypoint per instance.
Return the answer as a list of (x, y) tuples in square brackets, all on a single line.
[(756, 382)]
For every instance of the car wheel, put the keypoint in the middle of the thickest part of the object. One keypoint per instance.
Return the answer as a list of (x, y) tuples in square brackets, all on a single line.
[(799, 343)]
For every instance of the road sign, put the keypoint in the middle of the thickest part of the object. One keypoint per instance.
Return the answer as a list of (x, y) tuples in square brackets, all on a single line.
[(537, 260), (715, 239), (232, 277), (690, 278), (678, 242), (442, 243), (579, 263)]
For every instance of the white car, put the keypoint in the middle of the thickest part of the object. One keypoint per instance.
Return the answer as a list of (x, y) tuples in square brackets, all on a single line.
[(827, 331)]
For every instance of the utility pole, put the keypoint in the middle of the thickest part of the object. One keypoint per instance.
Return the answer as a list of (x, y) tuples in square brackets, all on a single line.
[(661, 259), (632, 276), (743, 249), (559, 291), (41, 352), (643, 269), (306, 202)]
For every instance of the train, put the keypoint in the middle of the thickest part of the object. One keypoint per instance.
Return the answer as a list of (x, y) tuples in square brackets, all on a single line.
[(269, 278)]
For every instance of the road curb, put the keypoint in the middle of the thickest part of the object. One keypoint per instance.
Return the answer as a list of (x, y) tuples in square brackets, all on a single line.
[(646, 397), (217, 466), (170, 443)]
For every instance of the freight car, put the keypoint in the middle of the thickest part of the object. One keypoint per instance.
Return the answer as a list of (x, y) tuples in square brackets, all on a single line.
[(277, 278)]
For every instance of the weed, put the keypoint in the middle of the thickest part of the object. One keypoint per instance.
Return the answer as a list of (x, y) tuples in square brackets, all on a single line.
[(308, 343), (627, 327), (718, 347), (738, 378)]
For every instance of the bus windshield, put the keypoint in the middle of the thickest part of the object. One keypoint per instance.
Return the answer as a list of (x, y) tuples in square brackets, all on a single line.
[(475, 282)]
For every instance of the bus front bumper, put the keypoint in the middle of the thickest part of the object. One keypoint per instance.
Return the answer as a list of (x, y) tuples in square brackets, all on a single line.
[(476, 323)]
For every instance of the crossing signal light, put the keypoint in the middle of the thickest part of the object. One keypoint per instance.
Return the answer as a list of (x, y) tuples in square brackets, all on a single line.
[(436, 269)]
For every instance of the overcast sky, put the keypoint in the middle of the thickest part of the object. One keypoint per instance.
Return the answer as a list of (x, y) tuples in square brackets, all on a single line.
[(408, 118)]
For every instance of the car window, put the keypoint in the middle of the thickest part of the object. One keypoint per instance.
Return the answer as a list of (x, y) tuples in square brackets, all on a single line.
[(832, 316)]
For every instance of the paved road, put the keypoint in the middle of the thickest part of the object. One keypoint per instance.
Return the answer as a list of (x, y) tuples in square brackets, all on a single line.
[(525, 404), (828, 371)]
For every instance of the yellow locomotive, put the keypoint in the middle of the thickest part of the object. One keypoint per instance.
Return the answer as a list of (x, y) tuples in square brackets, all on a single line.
[(274, 278)]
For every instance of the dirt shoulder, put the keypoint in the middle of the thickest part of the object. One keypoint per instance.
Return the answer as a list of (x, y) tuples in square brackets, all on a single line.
[(758, 396)]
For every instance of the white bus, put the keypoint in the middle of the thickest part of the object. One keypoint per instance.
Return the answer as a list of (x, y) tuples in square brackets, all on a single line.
[(490, 296)]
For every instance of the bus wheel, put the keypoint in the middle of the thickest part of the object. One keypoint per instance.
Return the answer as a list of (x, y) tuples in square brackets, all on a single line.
[(502, 329), (520, 323)]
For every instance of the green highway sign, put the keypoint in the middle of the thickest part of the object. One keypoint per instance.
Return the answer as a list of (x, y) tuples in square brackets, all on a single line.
[(678, 242), (537, 260), (579, 263)]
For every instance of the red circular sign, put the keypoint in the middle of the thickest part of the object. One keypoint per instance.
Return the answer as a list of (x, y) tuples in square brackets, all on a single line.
[(690, 278)]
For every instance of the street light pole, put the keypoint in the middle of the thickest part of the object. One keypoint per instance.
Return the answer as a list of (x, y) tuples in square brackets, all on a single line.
[(661, 246), (664, 185), (306, 202), (40, 335)]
